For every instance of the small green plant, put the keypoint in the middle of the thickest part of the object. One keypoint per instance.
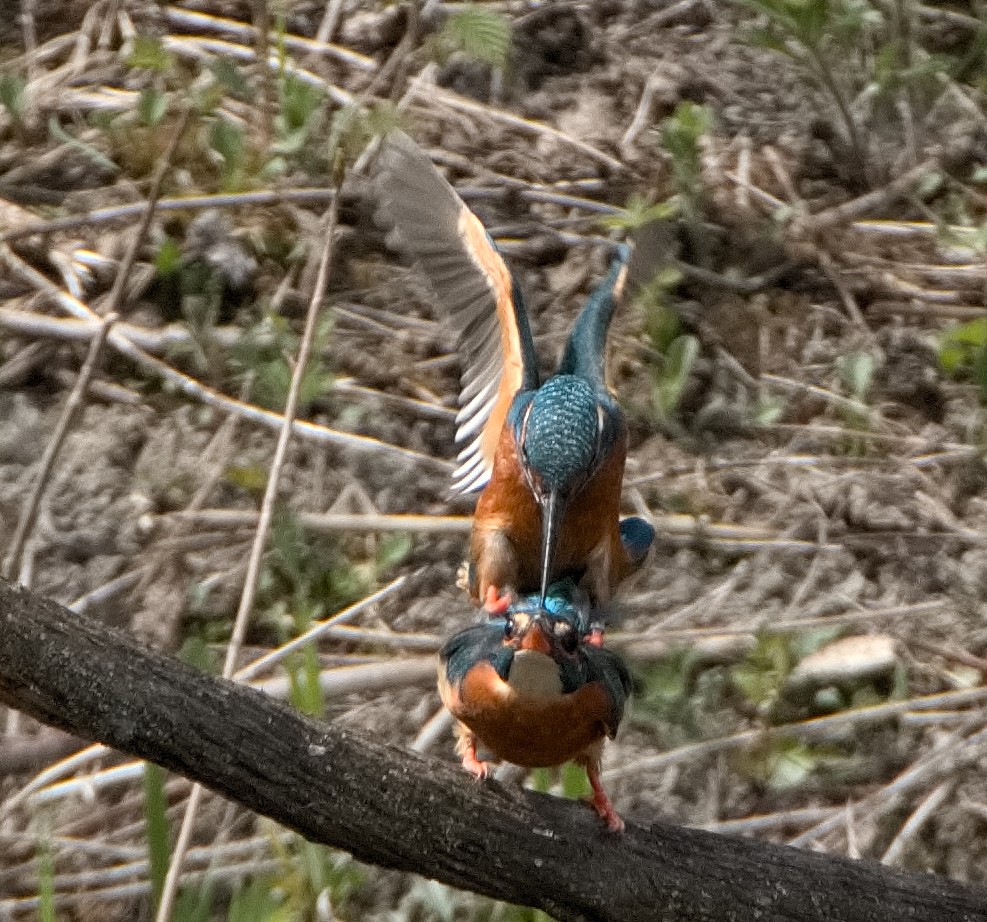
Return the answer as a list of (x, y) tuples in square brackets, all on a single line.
[(228, 141), (681, 134), (821, 37), (148, 52), (673, 375), (13, 97), (475, 31), (962, 353), (638, 212), (46, 867), (783, 763), (261, 357), (856, 371), (685, 700), (157, 830), (308, 576), (661, 319), (761, 678)]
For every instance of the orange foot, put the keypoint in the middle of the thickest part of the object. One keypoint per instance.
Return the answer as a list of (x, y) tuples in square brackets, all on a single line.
[(601, 803), (595, 638), (473, 765), (494, 603)]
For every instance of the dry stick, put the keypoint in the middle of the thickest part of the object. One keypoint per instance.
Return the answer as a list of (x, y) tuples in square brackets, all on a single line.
[(198, 391), (262, 36), (170, 889), (947, 757), (191, 203), (30, 51), (803, 729), (866, 204), (330, 21), (460, 103), (924, 810), (319, 46), (306, 196), (31, 504)]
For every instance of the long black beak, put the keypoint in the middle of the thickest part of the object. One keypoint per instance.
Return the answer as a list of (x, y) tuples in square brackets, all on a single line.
[(552, 513)]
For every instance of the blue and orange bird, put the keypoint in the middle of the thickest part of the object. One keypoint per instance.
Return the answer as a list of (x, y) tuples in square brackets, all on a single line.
[(548, 455), (530, 687)]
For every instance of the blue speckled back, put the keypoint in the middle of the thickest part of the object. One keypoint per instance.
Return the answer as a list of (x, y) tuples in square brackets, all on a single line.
[(561, 436)]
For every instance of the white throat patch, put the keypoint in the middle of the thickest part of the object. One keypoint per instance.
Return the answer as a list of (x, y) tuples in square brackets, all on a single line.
[(535, 675)]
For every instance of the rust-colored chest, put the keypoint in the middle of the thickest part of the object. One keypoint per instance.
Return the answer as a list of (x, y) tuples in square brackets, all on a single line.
[(529, 730)]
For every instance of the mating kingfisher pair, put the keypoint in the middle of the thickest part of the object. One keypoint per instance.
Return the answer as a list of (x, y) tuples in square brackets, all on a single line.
[(533, 684)]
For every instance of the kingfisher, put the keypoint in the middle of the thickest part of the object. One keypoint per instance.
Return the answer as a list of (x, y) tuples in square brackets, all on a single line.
[(530, 687), (548, 454)]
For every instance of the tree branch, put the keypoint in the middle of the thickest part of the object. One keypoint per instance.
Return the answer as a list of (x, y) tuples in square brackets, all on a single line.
[(390, 807)]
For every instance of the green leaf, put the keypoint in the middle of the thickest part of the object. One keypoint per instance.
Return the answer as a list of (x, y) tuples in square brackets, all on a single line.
[(767, 410), (479, 33), (638, 212), (679, 360), (306, 690), (575, 783), (782, 764), (228, 141), (168, 259), (793, 762), (46, 870), (149, 53), (13, 95), (152, 105), (300, 102), (156, 827), (262, 900), (229, 76), (251, 477), (198, 653), (393, 550), (761, 678), (856, 371), (959, 345)]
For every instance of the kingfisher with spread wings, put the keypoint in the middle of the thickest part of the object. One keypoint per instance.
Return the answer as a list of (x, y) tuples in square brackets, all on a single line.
[(548, 454)]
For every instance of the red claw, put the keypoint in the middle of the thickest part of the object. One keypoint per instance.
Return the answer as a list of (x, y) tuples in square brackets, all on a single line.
[(478, 769), (601, 803), (494, 603)]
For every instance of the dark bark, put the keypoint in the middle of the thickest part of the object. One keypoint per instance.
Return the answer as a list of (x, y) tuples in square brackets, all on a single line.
[(390, 807)]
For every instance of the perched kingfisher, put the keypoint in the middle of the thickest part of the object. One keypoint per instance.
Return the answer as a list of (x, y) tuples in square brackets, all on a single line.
[(529, 687), (549, 455)]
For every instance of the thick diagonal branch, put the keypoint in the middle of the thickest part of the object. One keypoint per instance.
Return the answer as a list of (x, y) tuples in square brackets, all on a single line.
[(390, 807)]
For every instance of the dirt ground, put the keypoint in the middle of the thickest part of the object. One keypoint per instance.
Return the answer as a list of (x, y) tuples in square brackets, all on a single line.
[(825, 559)]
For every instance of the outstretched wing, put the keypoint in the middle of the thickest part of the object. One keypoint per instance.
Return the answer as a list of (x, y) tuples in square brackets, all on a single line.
[(431, 224)]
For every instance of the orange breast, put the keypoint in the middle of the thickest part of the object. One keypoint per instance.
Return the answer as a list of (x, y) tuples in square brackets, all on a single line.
[(528, 731), (507, 505)]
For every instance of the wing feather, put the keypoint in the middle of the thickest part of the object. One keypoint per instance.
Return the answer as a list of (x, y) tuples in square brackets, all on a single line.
[(431, 224)]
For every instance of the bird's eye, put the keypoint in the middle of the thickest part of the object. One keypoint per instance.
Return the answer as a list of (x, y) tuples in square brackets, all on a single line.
[(567, 636), (508, 626)]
